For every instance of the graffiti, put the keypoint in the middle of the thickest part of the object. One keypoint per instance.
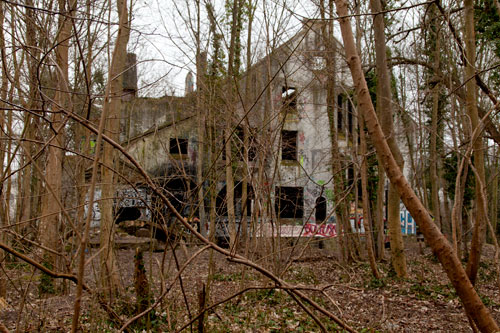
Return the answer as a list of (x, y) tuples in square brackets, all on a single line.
[(321, 230), (130, 197), (139, 198), (302, 138), (306, 230), (408, 226), (310, 194), (96, 211), (360, 227)]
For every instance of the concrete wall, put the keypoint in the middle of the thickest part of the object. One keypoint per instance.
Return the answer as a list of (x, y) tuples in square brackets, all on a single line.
[(149, 124)]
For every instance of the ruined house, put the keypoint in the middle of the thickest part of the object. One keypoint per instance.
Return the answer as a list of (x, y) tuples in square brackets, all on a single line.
[(284, 109)]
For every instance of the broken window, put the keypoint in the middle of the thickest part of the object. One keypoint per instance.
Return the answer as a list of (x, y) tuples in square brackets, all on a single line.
[(349, 117), (127, 214), (289, 96), (289, 202), (289, 145), (240, 142), (180, 192), (350, 175), (340, 118), (178, 146), (320, 213)]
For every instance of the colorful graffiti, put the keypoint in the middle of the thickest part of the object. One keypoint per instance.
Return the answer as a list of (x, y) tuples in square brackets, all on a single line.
[(408, 226)]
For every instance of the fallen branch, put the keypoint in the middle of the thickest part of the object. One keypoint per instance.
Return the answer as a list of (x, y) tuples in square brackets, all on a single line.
[(56, 275)]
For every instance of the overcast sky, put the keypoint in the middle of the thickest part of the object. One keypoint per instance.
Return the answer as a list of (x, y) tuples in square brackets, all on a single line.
[(165, 47)]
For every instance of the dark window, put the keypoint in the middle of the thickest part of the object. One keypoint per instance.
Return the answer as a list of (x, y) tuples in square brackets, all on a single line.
[(127, 214), (350, 175), (240, 147), (289, 145), (178, 146), (340, 115), (289, 96), (349, 117), (289, 202), (320, 213)]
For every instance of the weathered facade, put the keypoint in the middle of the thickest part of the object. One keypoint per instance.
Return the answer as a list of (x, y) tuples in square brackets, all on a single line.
[(285, 111)]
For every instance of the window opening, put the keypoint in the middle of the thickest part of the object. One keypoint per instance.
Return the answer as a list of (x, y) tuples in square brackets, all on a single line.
[(180, 192), (289, 202), (349, 117), (320, 213), (350, 175), (340, 114), (178, 146), (289, 145), (289, 96), (127, 214)]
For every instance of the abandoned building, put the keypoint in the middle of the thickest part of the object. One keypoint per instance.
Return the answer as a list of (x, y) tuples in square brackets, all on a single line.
[(284, 109)]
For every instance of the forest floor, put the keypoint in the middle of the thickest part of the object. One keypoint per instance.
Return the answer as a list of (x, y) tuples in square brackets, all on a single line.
[(425, 301)]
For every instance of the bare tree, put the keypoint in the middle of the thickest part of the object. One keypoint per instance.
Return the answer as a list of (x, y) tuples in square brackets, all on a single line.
[(471, 100), (444, 251), (111, 112), (384, 105)]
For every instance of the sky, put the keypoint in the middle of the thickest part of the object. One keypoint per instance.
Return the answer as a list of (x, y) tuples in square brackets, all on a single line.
[(165, 46)]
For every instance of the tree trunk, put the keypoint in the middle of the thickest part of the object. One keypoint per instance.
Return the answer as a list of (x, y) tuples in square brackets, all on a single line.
[(246, 134), (200, 90), (343, 223), (4, 128), (477, 142), (231, 80), (111, 109), (49, 223), (367, 218), (384, 104), (494, 192), (435, 35), (451, 264), (379, 212)]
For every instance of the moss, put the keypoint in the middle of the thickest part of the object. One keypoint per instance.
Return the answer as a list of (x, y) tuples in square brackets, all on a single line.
[(46, 285)]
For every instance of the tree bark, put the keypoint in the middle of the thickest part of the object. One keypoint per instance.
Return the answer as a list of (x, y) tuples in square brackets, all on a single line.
[(477, 142), (441, 247), (384, 104), (435, 35), (50, 221), (200, 89), (367, 216), (111, 109)]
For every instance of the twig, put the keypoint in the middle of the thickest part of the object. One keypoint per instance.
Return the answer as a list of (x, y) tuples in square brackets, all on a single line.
[(179, 272), (56, 275)]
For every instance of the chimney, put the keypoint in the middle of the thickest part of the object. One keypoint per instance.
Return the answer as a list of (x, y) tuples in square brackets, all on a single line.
[(189, 84), (130, 76)]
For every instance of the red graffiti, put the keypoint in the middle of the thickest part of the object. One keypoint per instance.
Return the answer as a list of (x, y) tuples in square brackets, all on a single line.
[(302, 137), (321, 230)]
